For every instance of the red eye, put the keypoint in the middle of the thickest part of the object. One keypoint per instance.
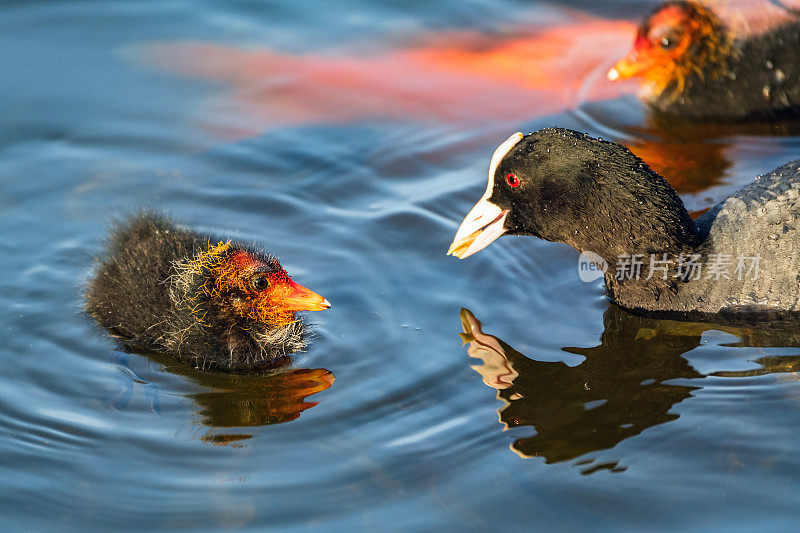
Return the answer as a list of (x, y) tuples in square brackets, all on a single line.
[(512, 180)]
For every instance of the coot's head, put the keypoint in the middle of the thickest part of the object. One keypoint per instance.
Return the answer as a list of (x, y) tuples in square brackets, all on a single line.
[(230, 286), (678, 39), (564, 186)]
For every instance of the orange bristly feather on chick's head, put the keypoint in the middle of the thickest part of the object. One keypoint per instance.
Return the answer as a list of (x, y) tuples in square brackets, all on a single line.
[(258, 288)]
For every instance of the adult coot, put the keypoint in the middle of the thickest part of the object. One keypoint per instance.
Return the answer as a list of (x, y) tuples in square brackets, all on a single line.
[(694, 67), (742, 256), (213, 302)]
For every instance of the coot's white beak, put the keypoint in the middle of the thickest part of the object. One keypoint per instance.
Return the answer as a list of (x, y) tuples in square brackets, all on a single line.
[(484, 223)]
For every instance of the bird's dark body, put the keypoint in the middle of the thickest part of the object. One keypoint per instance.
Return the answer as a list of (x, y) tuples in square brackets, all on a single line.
[(144, 293), (129, 294), (758, 224), (759, 79), (762, 218), (597, 196)]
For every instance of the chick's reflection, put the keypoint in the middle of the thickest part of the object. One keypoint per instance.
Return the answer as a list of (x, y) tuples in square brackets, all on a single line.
[(251, 401), (248, 400), (617, 392)]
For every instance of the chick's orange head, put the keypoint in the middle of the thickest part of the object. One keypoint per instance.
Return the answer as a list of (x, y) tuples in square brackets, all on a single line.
[(676, 40), (260, 289)]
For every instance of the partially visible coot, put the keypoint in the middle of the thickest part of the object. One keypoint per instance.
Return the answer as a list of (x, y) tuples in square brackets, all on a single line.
[(742, 257), (216, 303), (693, 67)]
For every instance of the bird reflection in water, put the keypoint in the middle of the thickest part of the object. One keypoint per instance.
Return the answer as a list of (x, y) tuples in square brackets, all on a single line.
[(692, 157), (485, 83), (238, 400), (618, 391), (452, 78), (697, 158)]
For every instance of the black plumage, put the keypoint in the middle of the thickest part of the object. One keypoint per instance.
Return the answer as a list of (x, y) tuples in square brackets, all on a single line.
[(213, 302), (598, 197)]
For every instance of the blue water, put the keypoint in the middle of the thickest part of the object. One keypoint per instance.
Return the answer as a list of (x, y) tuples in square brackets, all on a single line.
[(641, 424)]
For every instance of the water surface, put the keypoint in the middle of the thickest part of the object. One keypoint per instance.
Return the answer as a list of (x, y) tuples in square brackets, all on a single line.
[(620, 423)]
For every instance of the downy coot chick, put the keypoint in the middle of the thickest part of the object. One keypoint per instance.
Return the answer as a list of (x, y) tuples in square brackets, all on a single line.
[(693, 67), (213, 302), (560, 185)]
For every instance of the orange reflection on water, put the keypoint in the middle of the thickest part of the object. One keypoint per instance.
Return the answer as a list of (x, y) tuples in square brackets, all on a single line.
[(466, 79), (554, 59), (689, 165), (247, 400)]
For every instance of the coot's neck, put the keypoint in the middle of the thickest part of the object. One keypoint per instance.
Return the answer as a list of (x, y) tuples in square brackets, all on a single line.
[(628, 210), (638, 236), (643, 273), (642, 230)]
